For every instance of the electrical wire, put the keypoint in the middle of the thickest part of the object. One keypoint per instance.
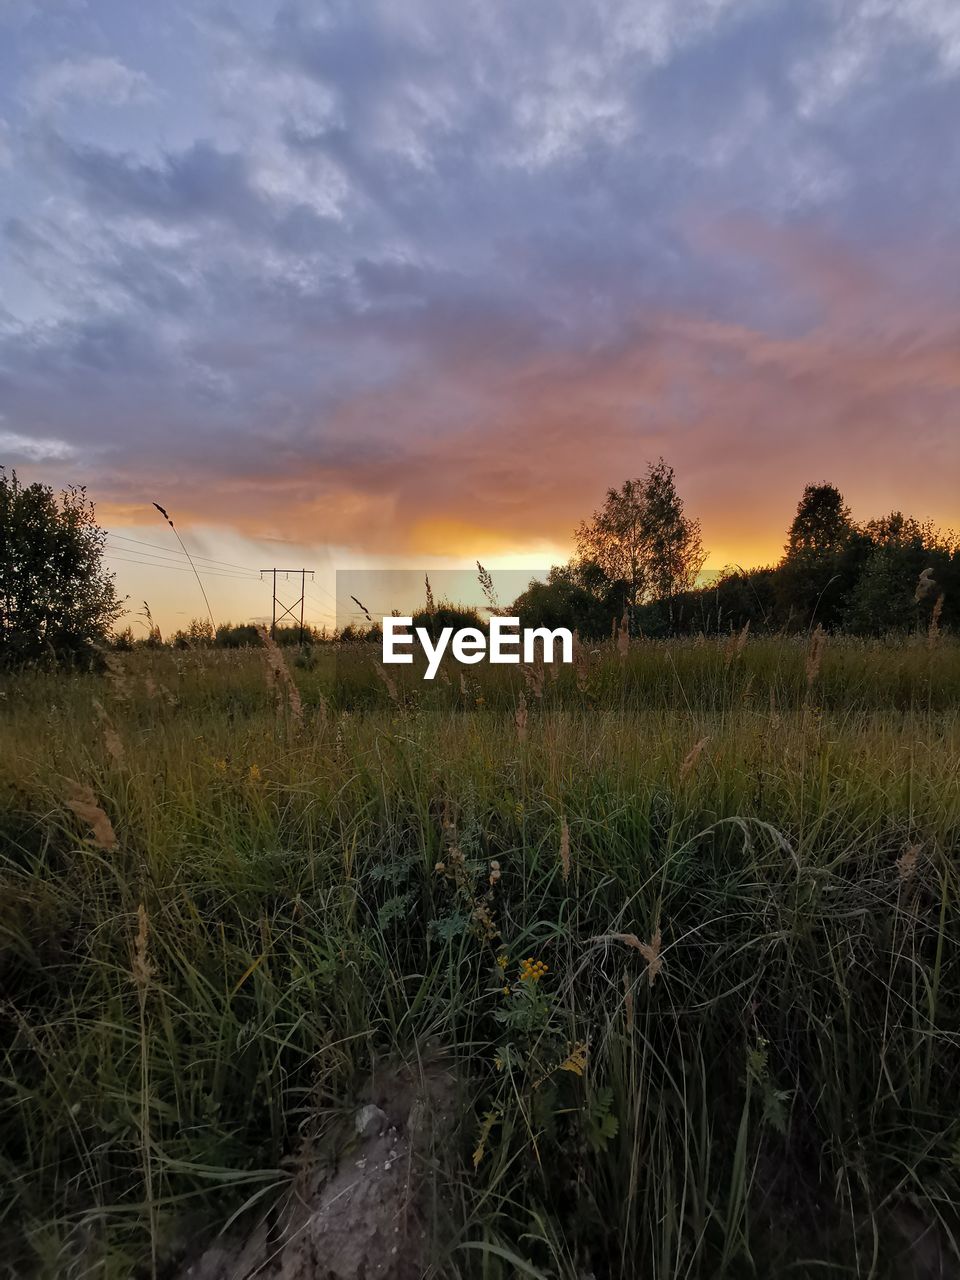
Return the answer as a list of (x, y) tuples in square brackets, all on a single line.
[(328, 594), (116, 558), (336, 603), (149, 557), (157, 547)]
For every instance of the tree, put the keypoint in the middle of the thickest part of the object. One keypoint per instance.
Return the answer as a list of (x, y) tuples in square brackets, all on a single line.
[(672, 546), (823, 558), (613, 540), (563, 601), (200, 634), (641, 538), (822, 522), (56, 599), (735, 598), (446, 613), (885, 597)]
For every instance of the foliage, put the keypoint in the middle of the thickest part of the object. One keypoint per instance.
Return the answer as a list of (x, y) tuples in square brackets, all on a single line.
[(563, 601), (673, 550), (447, 614), (834, 573), (56, 599), (641, 540), (613, 539)]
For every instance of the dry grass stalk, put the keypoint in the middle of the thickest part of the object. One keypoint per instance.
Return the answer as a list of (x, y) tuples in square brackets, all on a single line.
[(907, 862), (389, 683), (117, 675), (82, 802), (533, 675), (649, 950), (623, 636), (818, 644), (933, 631), (111, 738), (140, 965), (691, 758), (565, 848), (520, 718), (581, 662), (735, 645), (278, 676), (628, 1000)]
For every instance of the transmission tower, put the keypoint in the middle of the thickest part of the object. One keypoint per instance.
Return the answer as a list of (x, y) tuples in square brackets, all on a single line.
[(287, 610)]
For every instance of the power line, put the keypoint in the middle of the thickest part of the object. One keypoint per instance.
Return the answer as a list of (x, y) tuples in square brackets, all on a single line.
[(321, 609), (328, 594), (322, 604), (176, 568), (152, 557), (157, 547)]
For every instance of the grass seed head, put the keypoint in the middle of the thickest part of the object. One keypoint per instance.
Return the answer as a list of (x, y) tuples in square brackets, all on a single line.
[(83, 803), (691, 758), (140, 966), (925, 584), (907, 863), (520, 718), (815, 651)]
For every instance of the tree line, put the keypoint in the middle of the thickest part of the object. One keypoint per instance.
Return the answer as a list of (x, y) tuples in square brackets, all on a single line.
[(637, 567)]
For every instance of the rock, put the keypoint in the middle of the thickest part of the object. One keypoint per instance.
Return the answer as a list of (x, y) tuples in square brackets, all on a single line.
[(370, 1121)]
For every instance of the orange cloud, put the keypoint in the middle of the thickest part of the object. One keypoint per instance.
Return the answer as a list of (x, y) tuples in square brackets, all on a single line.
[(862, 389)]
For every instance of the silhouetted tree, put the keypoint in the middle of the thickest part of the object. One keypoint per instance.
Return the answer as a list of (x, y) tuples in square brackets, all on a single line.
[(564, 601), (56, 599), (642, 540), (822, 522), (614, 539), (447, 614), (884, 596), (822, 559), (736, 597), (672, 547)]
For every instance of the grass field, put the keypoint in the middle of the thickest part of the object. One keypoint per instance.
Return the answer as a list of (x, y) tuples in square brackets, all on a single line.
[(234, 908)]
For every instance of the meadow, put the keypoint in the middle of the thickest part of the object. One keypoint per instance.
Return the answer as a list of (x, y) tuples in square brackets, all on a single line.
[(675, 930)]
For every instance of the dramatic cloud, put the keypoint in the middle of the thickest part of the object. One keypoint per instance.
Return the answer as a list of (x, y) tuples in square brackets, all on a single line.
[(419, 277)]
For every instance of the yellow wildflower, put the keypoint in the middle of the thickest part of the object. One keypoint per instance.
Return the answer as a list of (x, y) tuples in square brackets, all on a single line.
[(532, 970)]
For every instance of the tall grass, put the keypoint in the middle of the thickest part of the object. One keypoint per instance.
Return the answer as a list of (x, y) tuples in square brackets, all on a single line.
[(189, 1012)]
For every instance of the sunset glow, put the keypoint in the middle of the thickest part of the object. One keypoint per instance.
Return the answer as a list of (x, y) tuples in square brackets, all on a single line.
[(345, 292)]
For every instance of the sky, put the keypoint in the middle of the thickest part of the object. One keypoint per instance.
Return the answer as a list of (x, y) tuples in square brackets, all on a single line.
[(353, 283)]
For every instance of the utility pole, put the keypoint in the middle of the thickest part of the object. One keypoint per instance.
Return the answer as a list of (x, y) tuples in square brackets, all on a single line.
[(287, 610)]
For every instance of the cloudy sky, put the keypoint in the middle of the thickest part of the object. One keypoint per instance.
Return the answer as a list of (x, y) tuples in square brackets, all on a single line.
[(371, 282)]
